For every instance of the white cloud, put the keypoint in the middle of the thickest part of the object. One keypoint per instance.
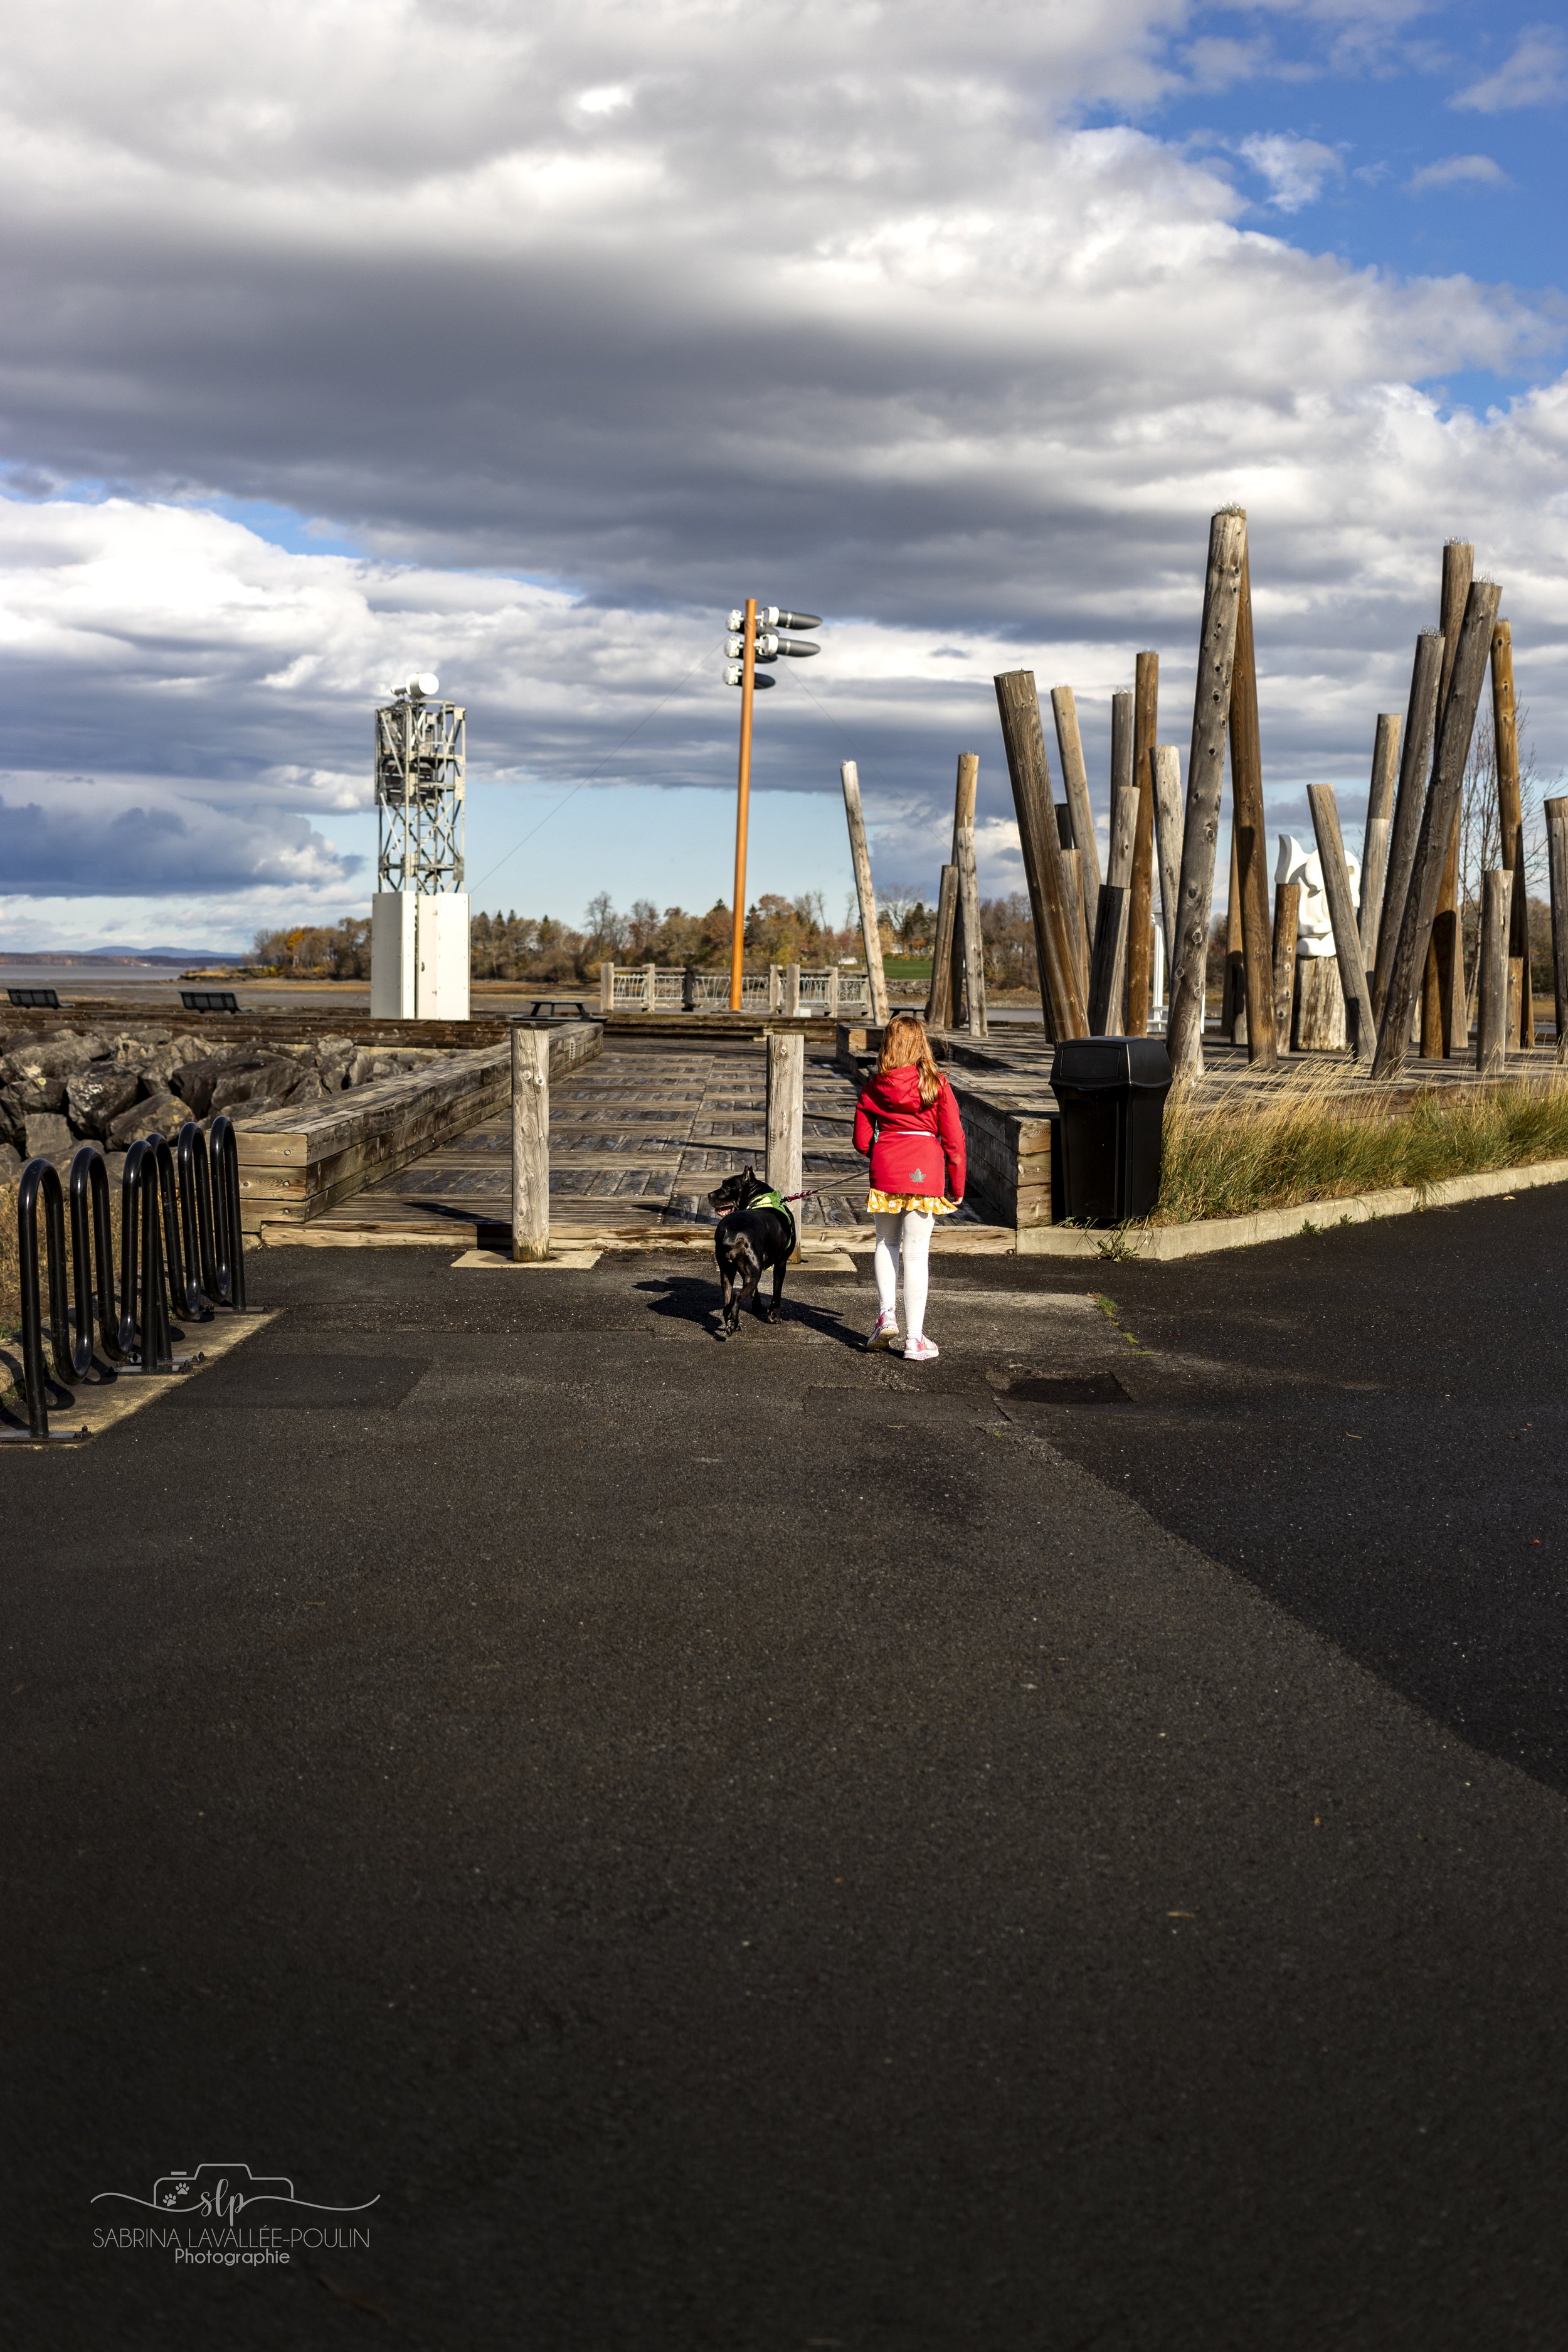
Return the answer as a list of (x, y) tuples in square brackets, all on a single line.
[(879, 330), (1296, 169), (1535, 74), (1457, 171)]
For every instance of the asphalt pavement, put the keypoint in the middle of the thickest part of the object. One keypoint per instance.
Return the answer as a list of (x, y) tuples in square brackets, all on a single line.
[(759, 1846)]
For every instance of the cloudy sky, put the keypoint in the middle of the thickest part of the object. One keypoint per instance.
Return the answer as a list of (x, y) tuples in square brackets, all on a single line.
[(519, 339)]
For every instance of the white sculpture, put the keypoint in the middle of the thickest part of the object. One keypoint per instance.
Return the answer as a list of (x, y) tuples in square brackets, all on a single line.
[(1314, 925)]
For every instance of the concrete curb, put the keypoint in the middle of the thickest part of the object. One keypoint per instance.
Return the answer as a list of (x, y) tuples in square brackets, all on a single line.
[(1158, 1243)]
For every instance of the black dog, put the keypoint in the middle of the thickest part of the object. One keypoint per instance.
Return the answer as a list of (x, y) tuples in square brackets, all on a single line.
[(755, 1231)]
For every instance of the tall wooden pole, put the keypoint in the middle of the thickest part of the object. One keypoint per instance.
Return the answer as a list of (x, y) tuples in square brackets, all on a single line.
[(1359, 1022), (1075, 777), (1511, 814), (1206, 774), (1445, 1024), (1232, 988), (1556, 813), (1250, 838), (1286, 923), (965, 800), (1140, 911), (1474, 651), (1165, 761), (742, 805), (1018, 705), (969, 910), (938, 1000), (530, 1144), (1379, 823), (1491, 973), (875, 978), (1415, 760)]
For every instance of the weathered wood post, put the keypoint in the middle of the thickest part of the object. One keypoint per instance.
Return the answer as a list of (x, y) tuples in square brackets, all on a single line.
[(786, 1119), (649, 985), (1379, 824), (1232, 993), (1414, 760), (832, 992), (1140, 905), (775, 989), (1360, 1028), (1024, 738), (1165, 768), (792, 990), (1444, 1023), (1110, 964), (1438, 821), (965, 798), (1556, 813), (1491, 972), (1081, 926), (876, 979), (973, 944), (1250, 841), (939, 1001), (1074, 776), (1122, 851), (1286, 922), (1505, 737), (530, 1143), (607, 988), (1206, 772)]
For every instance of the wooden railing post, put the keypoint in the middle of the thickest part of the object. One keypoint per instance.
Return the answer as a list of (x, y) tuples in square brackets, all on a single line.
[(833, 994), (785, 1118), (792, 990), (607, 988), (650, 985), (530, 1143)]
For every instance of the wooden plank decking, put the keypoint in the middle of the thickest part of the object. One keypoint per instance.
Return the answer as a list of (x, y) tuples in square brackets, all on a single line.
[(637, 1139)]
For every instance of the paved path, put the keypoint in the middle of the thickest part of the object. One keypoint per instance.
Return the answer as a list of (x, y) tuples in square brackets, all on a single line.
[(745, 1846)]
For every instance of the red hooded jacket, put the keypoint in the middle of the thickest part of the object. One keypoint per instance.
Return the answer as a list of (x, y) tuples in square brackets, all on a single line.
[(914, 1147)]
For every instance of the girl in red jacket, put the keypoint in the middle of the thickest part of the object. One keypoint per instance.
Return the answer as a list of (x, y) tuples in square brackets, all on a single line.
[(908, 1121)]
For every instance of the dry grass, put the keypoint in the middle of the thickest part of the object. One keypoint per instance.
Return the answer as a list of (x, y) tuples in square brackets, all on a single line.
[(1311, 1137)]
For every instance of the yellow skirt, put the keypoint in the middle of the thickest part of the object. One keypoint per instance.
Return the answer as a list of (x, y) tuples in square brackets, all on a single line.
[(893, 1204)]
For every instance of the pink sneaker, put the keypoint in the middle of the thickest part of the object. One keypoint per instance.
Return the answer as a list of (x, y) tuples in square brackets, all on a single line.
[(886, 1333), (921, 1352)]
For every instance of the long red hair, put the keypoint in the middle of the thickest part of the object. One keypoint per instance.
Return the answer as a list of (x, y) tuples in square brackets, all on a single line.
[(905, 1046)]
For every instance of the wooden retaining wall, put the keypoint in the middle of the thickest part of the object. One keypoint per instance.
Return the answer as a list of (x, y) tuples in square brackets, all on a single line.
[(295, 1164)]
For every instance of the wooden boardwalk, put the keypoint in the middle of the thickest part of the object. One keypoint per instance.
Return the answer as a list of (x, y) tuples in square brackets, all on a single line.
[(637, 1139)]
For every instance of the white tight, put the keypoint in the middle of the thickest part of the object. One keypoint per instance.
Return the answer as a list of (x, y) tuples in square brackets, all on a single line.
[(916, 1247)]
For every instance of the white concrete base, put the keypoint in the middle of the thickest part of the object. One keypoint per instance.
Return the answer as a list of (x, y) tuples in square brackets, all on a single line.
[(572, 1261)]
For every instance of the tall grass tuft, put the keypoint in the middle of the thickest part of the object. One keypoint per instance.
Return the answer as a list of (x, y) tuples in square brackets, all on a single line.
[(1304, 1136)]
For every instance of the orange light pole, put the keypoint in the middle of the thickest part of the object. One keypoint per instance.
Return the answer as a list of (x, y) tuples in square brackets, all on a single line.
[(742, 804)]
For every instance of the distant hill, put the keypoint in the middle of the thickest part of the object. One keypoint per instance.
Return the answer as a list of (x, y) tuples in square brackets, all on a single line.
[(121, 955)]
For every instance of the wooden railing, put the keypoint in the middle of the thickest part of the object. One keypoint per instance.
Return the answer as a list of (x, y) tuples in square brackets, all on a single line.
[(789, 989)]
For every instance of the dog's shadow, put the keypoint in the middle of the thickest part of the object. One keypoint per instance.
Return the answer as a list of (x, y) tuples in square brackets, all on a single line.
[(683, 1298)]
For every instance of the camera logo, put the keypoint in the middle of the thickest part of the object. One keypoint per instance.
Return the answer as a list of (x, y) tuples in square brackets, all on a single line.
[(221, 2193)]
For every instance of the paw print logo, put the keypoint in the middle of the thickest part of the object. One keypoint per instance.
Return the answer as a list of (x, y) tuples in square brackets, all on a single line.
[(171, 2199)]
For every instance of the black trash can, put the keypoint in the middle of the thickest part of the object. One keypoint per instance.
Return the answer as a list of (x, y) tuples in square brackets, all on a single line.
[(1111, 1094)]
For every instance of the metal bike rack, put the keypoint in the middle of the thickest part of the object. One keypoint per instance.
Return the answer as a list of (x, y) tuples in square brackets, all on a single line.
[(180, 1247)]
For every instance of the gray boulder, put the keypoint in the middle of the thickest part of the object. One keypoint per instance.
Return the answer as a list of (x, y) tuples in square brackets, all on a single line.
[(274, 1077), (59, 1054), (98, 1094), (361, 1070), (48, 1135), (163, 1114), (196, 1080), (10, 1164)]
